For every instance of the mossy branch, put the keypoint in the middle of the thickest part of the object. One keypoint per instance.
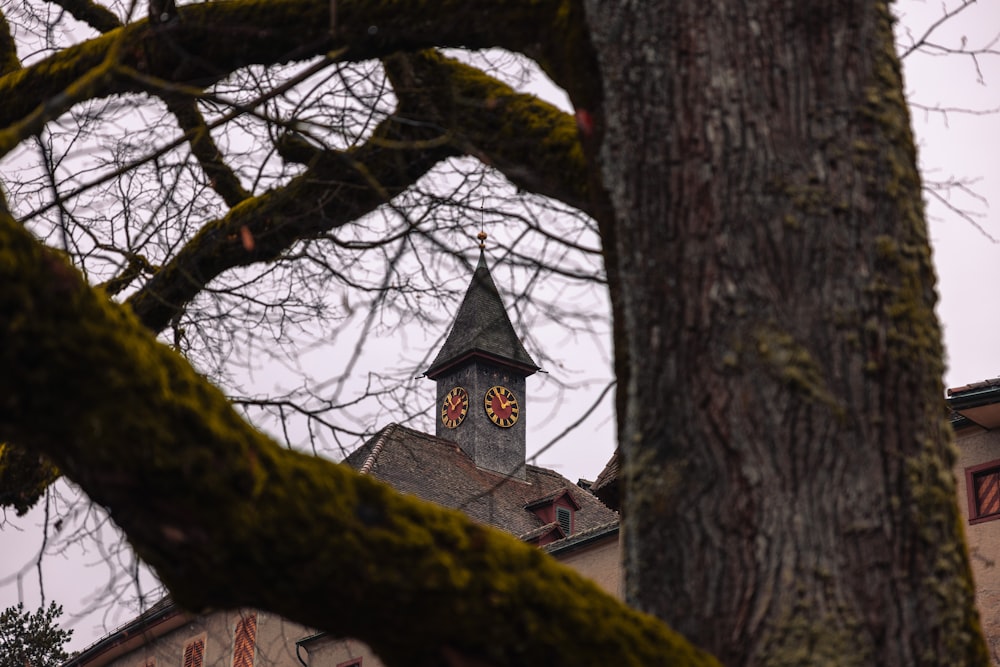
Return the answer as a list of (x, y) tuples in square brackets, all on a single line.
[(211, 40), (24, 476), (458, 109), (89, 84), (535, 144), (229, 518), (9, 62)]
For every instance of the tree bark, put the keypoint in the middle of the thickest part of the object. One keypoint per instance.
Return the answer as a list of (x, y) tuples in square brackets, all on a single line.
[(789, 498)]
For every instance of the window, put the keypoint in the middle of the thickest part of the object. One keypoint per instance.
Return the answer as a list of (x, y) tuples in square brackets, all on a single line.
[(194, 653), (564, 516), (243, 641), (983, 489)]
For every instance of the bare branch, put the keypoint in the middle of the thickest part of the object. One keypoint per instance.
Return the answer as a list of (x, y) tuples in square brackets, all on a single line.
[(97, 16)]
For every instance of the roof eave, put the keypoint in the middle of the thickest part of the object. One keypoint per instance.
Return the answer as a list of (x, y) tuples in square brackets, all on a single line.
[(450, 364), (128, 637)]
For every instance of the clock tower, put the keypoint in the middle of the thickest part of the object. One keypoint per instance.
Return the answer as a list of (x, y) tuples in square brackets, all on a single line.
[(480, 374)]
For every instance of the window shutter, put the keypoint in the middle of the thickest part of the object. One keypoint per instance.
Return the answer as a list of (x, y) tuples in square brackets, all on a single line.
[(987, 492), (565, 518), (246, 637), (194, 653)]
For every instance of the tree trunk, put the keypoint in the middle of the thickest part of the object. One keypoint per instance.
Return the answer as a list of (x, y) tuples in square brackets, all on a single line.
[(789, 498)]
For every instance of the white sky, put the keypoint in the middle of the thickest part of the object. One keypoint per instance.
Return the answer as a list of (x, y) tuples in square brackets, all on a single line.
[(953, 146)]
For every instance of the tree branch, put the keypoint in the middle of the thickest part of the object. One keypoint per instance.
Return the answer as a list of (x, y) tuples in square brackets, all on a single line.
[(211, 503), (98, 17), (211, 40), (9, 62), (446, 109), (220, 176), (24, 476)]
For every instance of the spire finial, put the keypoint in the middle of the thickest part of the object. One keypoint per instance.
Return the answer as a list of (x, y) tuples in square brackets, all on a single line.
[(482, 229)]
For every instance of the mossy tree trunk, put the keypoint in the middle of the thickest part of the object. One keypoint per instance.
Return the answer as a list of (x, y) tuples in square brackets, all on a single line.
[(789, 498)]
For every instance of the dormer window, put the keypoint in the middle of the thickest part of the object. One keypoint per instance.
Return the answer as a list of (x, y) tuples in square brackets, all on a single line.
[(556, 510)]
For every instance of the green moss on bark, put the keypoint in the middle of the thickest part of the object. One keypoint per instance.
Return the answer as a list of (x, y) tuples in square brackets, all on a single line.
[(9, 62), (931, 528), (24, 476)]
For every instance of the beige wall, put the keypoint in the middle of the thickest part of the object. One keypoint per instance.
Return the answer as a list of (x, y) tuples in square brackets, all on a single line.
[(275, 646), (601, 562), (975, 447), (328, 651)]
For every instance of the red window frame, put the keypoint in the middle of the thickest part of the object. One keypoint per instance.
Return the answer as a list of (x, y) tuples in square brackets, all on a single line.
[(982, 487)]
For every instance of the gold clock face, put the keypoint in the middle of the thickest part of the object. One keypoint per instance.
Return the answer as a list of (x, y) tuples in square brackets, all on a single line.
[(454, 407), (501, 406)]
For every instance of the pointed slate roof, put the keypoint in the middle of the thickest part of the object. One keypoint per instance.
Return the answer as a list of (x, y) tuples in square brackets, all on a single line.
[(482, 328)]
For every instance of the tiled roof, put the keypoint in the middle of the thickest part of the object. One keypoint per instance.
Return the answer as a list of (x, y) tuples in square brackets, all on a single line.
[(549, 498), (482, 327), (974, 387), (542, 531), (606, 486), (583, 538), (438, 470)]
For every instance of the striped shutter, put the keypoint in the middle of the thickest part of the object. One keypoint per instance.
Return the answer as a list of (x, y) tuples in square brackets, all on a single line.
[(194, 653), (987, 484), (246, 637)]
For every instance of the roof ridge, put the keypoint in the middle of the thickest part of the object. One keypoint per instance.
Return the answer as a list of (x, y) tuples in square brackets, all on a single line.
[(366, 467), (544, 529), (583, 536)]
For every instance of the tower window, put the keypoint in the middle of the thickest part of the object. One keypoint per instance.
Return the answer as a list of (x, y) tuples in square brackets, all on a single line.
[(564, 516)]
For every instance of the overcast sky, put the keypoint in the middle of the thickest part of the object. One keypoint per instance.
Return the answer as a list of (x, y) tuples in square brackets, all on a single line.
[(953, 146), (962, 146)]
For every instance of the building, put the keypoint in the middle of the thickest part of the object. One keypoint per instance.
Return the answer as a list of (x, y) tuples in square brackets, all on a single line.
[(975, 418), (475, 462)]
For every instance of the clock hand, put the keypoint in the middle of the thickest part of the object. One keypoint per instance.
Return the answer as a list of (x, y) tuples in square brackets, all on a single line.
[(503, 404)]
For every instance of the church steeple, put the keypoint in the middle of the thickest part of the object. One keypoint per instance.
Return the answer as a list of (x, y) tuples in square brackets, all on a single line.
[(480, 372)]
